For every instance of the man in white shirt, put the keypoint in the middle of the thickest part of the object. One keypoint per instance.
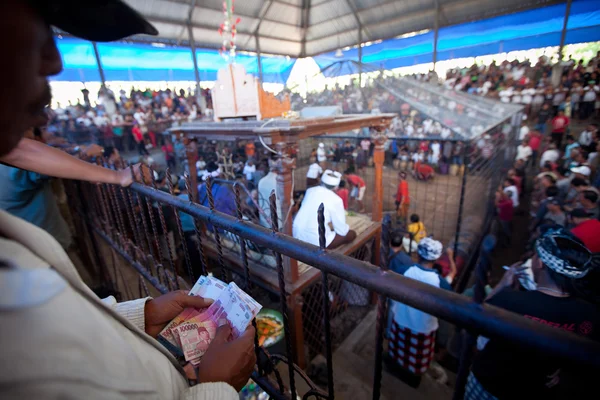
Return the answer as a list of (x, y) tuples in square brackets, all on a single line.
[(249, 170), (510, 188), (321, 154), (524, 131), (77, 346), (523, 151), (551, 155), (587, 137), (337, 231), (266, 186)]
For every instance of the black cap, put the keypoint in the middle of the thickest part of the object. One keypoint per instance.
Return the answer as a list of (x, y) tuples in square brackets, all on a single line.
[(95, 20), (580, 213)]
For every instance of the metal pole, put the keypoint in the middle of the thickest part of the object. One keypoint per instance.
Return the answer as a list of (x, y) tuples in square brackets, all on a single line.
[(100, 70), (258, 60), (196, 73), (463, 189), (436, 28), (563, 34), (359, 56)]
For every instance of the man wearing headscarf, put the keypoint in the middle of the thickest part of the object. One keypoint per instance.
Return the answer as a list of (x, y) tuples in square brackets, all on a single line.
[(561, 296), (337, 231), (412, 332), (223, 196)]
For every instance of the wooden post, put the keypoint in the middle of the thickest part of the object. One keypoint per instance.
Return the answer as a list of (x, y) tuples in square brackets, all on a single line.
[(295, 307), (377, 211)]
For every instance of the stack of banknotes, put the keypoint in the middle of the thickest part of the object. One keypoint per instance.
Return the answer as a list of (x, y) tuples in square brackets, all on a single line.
[(189, 334)]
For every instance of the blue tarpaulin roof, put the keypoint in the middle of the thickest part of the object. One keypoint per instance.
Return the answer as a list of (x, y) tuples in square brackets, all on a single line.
[(137, 62), (520, 31)]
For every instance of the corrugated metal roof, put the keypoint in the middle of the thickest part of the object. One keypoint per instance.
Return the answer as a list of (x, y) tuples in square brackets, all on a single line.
[(281, 28)]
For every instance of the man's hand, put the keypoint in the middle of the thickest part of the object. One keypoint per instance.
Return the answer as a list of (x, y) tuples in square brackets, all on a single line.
[(231, 362), (160, 311), (140, 170)]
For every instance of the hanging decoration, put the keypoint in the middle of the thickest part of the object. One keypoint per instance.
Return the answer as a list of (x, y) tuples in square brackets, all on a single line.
[(228, 31)]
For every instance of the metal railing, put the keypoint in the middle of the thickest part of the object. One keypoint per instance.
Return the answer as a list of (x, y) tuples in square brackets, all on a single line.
[(126, 219)]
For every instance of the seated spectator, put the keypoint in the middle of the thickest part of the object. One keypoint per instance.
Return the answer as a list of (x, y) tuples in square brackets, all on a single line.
[(560, 266), (416, 228), (358, 189), (510, 188), (586, 228), (312, 175), (305, 226), (412, 332), (343, 193)]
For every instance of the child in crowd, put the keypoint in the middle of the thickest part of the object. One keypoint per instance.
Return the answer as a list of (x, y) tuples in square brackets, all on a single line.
[(416, 228)]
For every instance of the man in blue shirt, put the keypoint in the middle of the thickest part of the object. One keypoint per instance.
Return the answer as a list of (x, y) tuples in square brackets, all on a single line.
[(224, 198)]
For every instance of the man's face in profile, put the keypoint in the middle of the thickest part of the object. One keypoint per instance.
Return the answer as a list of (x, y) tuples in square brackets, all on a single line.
[(29, 57)]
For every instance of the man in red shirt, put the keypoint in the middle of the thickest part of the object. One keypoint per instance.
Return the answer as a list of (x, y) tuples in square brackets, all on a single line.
[(424, 172), (587, 229), (358, 193), (505, 208), (343, 193), (535, 140), (560, 124), (402, 198), (138, 136)]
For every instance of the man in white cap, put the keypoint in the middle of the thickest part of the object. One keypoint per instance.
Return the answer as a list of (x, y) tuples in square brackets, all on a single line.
[(583, 171), (412, 332), (306, 227)]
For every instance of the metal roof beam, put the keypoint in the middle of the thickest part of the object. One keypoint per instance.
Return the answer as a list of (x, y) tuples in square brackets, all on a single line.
[(304, 24), (361, 27), (202, 26)]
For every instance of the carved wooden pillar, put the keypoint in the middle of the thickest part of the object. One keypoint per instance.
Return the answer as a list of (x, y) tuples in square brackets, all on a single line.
[(377, 211)]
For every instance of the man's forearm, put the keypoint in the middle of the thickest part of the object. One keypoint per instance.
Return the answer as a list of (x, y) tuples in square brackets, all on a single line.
[(38, 157)]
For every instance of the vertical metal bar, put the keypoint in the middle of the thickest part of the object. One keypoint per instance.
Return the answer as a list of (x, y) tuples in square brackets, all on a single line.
[(326, 323), (436, 28), (238, 208), (461, 202), (99, 62), (135, 224), (192, 197), (360, 57), (258, 59), (563, 33), (146, 231), (381, 308), (211, 204), (193, 47), (186, 254), (156, 242), (283, 297), (163, 224)]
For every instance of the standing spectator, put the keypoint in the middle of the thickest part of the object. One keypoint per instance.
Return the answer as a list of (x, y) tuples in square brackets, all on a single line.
[(249, 170), (343, 193), (402, 198), (551, 155), (138, 136), (535, 141), (169, 153), (416, 228), (524, 151), (250, 150), (265, 187), (398, 259), (571, 144), (586, 228), (505, 208), (321, 155), (524, 130), (358, 188), (560, 123), (590, 94), (555, 214), (588, 199), (313, 174), (412, 333), (587, 137), (510, 188), (543, 117)]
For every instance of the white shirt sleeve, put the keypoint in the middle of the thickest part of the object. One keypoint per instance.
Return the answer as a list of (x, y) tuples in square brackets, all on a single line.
[(132, 310)]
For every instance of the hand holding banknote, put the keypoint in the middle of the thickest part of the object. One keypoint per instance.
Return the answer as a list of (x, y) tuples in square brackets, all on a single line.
[(160, 311), (230, 362)]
